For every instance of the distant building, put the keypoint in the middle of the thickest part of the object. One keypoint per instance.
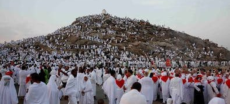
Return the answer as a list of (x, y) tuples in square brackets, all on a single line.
[(103, 12)]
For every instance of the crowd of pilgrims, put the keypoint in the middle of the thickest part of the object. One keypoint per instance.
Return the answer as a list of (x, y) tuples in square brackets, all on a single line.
[(50, 79), (84, 27)]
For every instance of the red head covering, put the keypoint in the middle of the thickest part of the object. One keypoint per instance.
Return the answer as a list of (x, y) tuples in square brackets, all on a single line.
[(10, 73), (197, 80), (190, 79), (139, 76)]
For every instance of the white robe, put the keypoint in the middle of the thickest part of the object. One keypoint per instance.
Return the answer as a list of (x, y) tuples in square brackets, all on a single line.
[(53, 90), (226, 93), (129, 82), (119, 94), (155, 89), (8, 94), (105, 77), (22, 82), (205, 93), (110, 88), (190, 90), (120, 90), (133, 97), (37, 94), (93, 81), (87, 98), (186, 98), (217, 100), (176, 90), (16, 74), (147, 88), (165, 89), (210, 88), (80, 79), (99, 76), (71, 89)]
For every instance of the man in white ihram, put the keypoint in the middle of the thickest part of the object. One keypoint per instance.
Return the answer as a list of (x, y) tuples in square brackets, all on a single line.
[(93, 82), (130, 80), (22, 81), (176, 88), (71, 88), (147, 87), (86, 92), (38, 91), (110, 88), (53, 90), (134, 96)]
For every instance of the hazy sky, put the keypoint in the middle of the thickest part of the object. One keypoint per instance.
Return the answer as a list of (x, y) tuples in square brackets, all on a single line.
[(207, 19)]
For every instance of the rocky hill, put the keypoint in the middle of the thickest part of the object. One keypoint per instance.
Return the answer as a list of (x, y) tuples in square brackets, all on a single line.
[(138, 37)]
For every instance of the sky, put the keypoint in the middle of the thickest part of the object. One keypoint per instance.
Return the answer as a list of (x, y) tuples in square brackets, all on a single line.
[(207, 19)]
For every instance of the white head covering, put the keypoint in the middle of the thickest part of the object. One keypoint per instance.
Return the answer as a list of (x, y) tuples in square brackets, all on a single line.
[(217, 100), (183, 76), (7, 88), (119, 77), (140, 72), (146, 70), (211, 78), (164, 74), (87, 86)]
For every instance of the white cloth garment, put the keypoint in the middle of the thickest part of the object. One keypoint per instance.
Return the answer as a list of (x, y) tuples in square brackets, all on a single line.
[(217, 100), (211, 93), (105, 77), (87, 97), (64, 77), (165, 89), (129, 82), (186, 97), (8, 94), (71, 89), (99, 76), (53, 90), (22, 82), (119, 91), (147, 88), (226, 94), (205, 93), (155, 89), (37, 94), (93, 81), (190, 89), (80, 79), (16, 74), (176, 90), (110, 88), (133, 97)]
